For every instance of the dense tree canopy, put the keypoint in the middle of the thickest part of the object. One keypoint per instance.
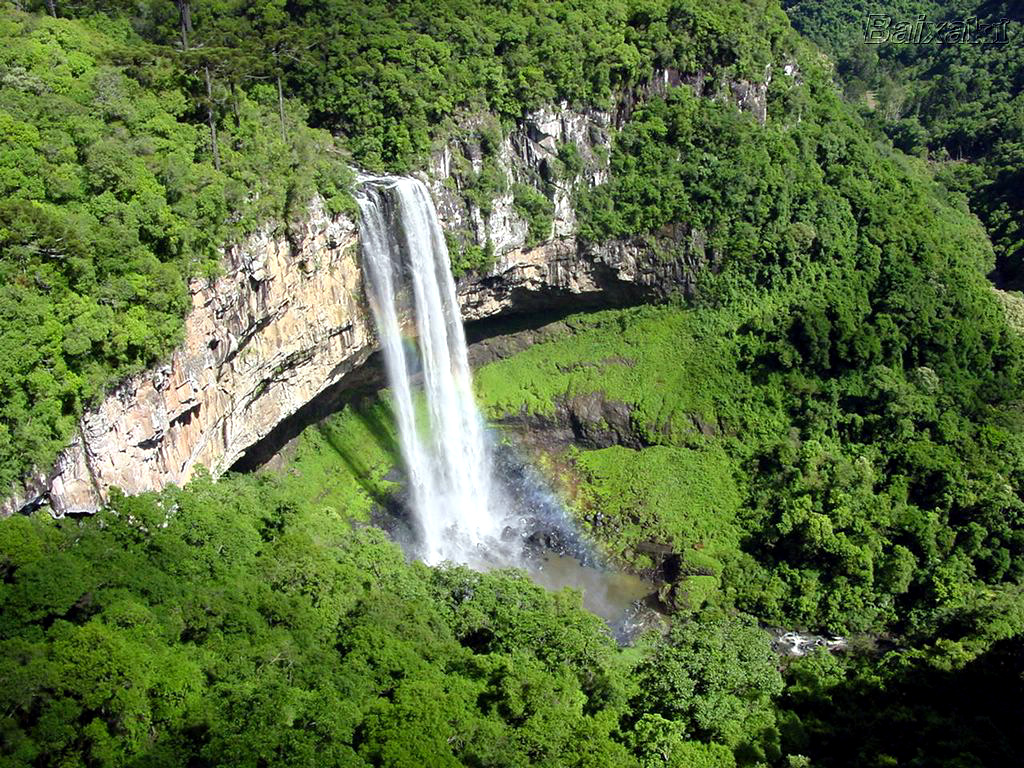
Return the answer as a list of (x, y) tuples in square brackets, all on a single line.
[(139, 138), (960, 104), (854, 289), (109, 201), (229, 625)]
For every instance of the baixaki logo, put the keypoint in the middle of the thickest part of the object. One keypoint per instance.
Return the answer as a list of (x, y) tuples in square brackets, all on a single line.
[(881, 28)]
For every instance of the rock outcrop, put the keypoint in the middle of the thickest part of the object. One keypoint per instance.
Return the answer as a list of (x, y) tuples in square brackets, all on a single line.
[(278, 327), (287, 321)]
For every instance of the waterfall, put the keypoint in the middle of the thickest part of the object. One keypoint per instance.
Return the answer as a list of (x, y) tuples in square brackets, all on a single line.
[(473, 502), (441, 433)]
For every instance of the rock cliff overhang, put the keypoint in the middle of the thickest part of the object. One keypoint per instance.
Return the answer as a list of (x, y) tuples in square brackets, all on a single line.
[(286, 332)]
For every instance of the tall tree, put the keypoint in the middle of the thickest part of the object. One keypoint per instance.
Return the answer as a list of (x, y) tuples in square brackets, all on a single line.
[(185, 29)]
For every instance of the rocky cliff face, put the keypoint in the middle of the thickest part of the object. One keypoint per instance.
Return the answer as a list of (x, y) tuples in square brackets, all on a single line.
[(562, 268), (260, 341), (287, 321)]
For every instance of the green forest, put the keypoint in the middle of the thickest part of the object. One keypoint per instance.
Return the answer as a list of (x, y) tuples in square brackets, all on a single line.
[(957, 105), (827, 435)]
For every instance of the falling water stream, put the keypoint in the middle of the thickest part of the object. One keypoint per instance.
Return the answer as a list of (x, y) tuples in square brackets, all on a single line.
[(471, 503), (443, 449)]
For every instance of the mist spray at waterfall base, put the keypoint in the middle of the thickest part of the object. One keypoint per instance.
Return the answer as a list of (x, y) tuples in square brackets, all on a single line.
[(473, 501)]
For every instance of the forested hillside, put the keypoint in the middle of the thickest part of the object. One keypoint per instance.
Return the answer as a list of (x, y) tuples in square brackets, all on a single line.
[(859, 309), (142, 137), (959, 104), (113, 196), (232, 625), (828, 435)]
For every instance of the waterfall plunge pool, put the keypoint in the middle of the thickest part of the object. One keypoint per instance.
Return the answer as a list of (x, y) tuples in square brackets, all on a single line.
[(539, 537)]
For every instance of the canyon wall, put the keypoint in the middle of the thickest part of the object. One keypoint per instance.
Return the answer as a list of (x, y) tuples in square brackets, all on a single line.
[(287, 321), (278, 326)]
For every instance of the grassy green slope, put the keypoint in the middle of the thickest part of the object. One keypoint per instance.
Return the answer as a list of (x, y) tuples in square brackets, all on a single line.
[(671, 366), (675, 368), (339, 464)]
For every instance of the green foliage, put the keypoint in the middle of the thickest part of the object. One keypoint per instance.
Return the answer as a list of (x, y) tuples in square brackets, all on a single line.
[(913, 707), (690, 160), (469, 257), (228, 625), (389, 79), (570, 160), (483, 187), (341, 463), (849, 373), (110, 203), (962, 105), (239, 623), (673, 497), (676, 370), (863, 364), (830, 436), (536, 209), (713, 680), (870, 421), (893, 516)]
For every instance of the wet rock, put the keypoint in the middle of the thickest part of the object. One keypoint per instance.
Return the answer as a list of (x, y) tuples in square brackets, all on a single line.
[(589, 420), (790, 643)]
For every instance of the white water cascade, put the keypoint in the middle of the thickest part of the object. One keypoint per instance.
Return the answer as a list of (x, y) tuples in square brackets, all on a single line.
[(441, 433)]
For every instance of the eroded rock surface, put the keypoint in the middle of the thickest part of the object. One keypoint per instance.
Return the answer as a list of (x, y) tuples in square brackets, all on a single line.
[(277, 328)]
